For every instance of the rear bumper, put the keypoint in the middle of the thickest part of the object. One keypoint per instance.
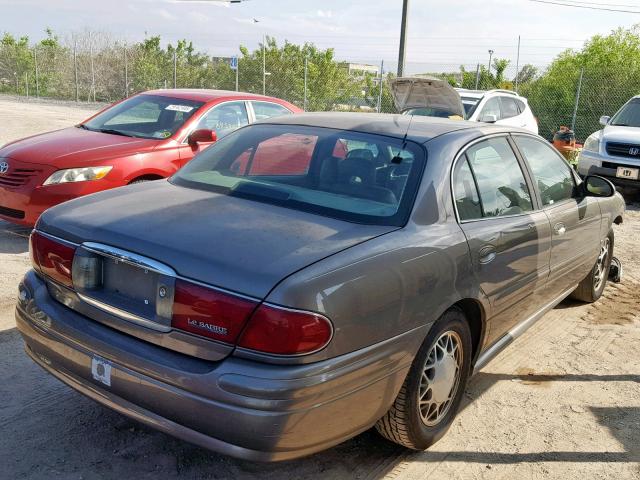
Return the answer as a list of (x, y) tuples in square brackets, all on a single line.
[(236, 407)]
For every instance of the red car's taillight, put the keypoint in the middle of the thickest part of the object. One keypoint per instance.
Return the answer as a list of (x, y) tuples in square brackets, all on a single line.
[(208, 312), (51, 258), (283, 331)]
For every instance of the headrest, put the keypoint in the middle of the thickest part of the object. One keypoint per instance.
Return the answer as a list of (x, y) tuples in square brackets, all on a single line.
[(356, 170)]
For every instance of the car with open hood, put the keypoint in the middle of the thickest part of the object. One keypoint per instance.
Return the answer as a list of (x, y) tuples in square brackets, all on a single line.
[(434, 97), (145, 137), (310, 276)]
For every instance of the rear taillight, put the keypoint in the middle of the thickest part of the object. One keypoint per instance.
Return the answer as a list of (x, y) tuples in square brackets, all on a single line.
[(282, 331), (208, 312), (52, 258)]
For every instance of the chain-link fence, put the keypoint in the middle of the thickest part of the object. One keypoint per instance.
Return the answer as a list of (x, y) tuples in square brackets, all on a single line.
[(94, 67)]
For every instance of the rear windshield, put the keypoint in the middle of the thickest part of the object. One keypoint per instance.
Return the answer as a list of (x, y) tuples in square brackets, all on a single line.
[(347, 175), (144, 116), (629, 115)]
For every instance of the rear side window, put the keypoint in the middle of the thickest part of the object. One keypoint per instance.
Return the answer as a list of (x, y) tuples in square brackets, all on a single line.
[(521, 105), (501, 184), (509, 107), (225, 118), (491, 108), (550, 171), (267, 110), (465, 192)]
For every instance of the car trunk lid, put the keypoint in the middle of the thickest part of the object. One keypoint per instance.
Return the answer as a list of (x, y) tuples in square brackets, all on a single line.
[(152, 235)]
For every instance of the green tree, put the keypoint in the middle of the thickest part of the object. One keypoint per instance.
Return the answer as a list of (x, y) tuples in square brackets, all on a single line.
[(611, 75), (329, 84)]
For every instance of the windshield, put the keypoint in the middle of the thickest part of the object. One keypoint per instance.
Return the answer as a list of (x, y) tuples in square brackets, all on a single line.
[(628, 115), (469, 104), (144, 116), (347, 175)]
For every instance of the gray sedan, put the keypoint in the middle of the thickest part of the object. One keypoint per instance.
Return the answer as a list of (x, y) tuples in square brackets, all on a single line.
[(309, 277)]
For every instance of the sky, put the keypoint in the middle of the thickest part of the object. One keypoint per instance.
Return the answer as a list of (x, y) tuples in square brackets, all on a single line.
[(440, 33)]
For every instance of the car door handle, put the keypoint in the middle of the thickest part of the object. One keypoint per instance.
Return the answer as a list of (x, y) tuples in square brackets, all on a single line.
[(559, 229), (487, 254)]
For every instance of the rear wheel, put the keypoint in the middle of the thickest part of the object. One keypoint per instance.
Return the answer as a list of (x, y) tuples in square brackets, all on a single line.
[(430, 396), (591, 287)]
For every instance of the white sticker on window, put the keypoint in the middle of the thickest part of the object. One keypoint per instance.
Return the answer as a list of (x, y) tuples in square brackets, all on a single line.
[(179, 108)]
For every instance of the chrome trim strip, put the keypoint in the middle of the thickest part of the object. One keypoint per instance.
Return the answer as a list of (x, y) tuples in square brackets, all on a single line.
[(130, 258), (517, 331), (123, 314)]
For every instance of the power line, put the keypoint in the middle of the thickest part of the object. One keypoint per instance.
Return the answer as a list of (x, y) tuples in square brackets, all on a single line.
[(588, 7), (600, 3)]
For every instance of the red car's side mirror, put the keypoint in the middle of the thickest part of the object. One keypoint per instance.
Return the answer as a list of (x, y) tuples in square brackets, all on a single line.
[(202, 135)]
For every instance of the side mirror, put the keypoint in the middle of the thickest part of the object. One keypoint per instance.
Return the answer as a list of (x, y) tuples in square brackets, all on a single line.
[(604, 120), (489, 118), (202, 135), (595, 186)]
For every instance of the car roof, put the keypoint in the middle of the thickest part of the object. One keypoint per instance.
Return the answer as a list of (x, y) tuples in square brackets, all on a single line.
[(417, 128), (207, 95), (482, 93)]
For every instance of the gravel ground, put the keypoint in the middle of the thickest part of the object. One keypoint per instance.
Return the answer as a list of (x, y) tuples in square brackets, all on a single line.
[(561, 402)]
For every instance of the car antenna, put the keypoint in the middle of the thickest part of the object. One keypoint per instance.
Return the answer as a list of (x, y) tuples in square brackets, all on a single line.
[(398, 159)]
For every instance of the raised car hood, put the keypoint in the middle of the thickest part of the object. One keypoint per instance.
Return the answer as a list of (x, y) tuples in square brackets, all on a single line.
[(425, 92), (233, 243), (73, 147)]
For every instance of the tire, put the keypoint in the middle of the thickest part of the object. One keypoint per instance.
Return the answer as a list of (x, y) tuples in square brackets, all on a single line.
[(591, 287), (405, 423)]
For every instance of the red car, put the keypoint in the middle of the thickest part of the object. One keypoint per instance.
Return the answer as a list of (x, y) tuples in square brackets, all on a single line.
[(145, 137)]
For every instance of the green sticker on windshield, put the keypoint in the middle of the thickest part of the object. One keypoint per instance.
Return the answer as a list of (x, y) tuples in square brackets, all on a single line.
[(162, 134)]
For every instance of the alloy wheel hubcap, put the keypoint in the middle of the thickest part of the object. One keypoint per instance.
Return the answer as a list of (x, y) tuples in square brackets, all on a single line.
[(601, 264), (440, 378)]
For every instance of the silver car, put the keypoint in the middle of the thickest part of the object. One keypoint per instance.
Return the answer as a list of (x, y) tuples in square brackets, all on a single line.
[(311, 276)]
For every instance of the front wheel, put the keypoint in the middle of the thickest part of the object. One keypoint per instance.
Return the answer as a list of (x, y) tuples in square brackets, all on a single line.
[(591, 287), (430, 396)]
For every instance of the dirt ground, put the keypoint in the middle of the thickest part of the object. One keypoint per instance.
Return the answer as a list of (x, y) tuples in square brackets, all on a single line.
[(563, 401)]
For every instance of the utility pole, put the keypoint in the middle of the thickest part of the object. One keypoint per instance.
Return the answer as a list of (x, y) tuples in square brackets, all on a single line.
[(264, 65), (518, 64), (403, 37), (490, 55)]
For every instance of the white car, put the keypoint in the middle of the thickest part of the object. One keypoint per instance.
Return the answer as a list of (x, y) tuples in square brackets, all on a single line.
[(436, 98), (503, 107), (614, 151)]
